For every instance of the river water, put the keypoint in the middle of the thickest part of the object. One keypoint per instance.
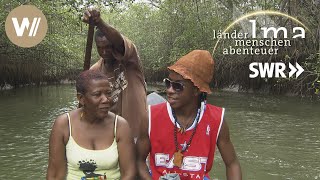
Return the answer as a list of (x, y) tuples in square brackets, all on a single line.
[(276, 138)]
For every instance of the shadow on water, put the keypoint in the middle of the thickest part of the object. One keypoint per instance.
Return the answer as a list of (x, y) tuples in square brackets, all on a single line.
[(275, 137)]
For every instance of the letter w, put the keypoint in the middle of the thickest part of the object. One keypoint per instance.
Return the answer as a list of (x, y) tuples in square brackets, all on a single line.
[(25, 24), (265, 69)]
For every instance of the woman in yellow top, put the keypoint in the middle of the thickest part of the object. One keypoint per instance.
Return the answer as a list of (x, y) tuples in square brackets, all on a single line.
[(91, 142)]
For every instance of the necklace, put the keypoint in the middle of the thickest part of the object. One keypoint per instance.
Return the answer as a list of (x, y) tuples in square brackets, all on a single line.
[(182, 129), (177, 161)]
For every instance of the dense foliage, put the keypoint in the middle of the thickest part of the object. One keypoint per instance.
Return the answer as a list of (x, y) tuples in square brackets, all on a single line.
[(163, 31)]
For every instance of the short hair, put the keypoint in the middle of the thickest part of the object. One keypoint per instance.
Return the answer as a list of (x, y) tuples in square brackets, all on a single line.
[(84, 77)]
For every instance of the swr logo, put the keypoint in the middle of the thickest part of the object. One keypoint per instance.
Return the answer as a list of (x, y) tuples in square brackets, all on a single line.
[(274, 70), (26, 26)]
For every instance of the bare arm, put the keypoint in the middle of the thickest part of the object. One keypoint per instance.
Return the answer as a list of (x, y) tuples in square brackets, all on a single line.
[(111, 33), (228, 154), (57, 167), (126, 150), (143, 146), (113, 36)]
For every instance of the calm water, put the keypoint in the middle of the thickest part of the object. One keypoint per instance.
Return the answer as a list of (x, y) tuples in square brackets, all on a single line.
[(275, 137)]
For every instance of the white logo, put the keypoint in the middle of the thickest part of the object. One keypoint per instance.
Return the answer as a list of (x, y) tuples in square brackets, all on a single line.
[(275, 31), (273, 70), (25, 24), (208, 130), (190, 163), (184, 146)]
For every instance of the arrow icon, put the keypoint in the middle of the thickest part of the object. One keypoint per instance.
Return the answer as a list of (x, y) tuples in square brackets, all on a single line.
[(300, 70), (294, 70)]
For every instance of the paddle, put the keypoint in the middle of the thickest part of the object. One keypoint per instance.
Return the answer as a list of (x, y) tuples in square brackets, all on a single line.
[(87, 57)]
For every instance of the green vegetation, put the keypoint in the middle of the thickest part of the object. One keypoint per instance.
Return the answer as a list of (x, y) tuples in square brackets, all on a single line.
[(163, 31)]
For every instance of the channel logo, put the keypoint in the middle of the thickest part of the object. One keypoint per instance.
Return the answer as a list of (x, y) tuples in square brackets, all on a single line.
[(26, 26), (271, 70), (262, 37), (20, 29)]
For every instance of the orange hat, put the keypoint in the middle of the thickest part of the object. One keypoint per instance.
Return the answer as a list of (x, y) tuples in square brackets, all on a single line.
[(196, 66)]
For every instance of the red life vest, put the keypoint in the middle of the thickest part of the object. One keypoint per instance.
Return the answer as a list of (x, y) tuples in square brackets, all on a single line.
[(198, 159)]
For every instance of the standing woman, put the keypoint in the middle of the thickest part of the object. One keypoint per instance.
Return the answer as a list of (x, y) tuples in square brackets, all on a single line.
[(91, 142)]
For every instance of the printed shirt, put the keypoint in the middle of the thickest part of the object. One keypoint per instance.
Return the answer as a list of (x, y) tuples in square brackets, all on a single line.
[(87, 164), (198, 159)]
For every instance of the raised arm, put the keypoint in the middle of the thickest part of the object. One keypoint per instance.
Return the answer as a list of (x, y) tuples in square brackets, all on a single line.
[(126, 150), (110, 33), (228, 154), (57, 166), (143, 146)]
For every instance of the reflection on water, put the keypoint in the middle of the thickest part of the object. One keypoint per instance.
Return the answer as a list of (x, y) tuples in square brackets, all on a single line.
[(275, 137), (25, 121)]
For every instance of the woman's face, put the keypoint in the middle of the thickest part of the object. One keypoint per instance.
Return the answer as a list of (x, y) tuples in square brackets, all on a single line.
[(97, 100)]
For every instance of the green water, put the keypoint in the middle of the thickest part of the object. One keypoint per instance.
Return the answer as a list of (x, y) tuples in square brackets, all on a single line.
[(275, 137)]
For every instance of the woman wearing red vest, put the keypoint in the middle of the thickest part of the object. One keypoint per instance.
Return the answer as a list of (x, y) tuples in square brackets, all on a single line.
[(181, 134)]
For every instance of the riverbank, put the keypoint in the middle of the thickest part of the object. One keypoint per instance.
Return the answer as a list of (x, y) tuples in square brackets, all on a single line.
[(159, 88), (61, 82)]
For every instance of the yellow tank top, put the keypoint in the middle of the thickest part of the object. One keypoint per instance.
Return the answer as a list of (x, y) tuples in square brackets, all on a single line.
[(86, 164)]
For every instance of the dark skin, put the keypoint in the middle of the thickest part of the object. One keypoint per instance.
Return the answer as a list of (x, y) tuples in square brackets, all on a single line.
[(185, 105), (98, 123), (104, 48), (113, 39)]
